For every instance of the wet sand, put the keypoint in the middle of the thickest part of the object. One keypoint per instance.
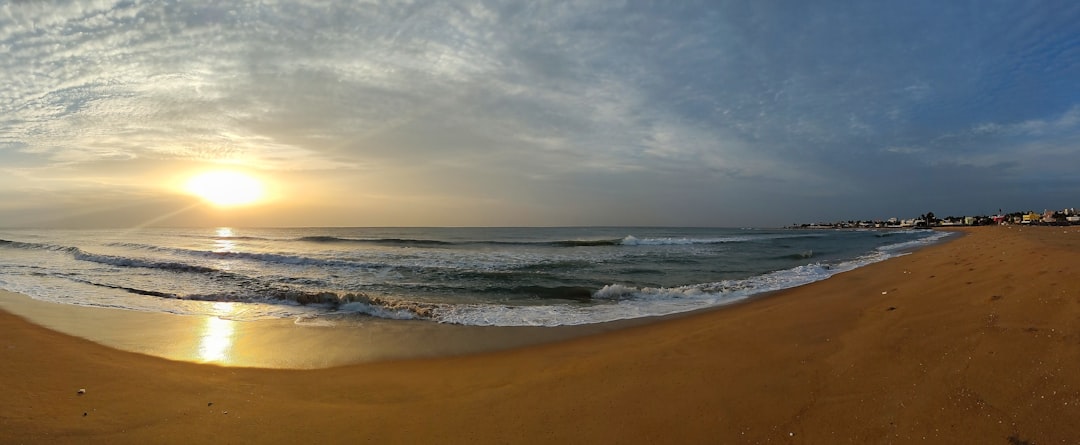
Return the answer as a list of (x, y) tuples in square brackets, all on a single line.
[(282, 343), (976, 340)]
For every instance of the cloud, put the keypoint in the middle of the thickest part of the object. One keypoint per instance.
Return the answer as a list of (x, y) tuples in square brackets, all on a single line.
[(520, 105), (1067, 122)]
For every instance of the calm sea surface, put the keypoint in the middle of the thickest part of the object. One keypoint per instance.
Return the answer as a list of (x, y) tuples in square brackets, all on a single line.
[(469, 276)]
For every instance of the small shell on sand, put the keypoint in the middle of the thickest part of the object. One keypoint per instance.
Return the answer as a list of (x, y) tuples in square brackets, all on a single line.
[(81, 391)]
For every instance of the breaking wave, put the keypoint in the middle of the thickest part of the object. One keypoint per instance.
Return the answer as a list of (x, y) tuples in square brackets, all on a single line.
[(527, 281)]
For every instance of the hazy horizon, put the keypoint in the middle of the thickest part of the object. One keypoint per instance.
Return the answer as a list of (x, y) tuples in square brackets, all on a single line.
[(550, 114)]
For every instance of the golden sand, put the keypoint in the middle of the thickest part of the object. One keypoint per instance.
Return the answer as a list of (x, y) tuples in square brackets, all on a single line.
[(976, 340)]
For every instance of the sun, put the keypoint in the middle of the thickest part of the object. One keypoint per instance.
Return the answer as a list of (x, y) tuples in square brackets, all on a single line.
[(225, 188)]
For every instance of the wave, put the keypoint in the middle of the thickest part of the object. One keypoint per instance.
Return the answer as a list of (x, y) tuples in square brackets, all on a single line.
[(407, 242), (585, 243), (137, 246), (610, 303), (740, 288), (615, 302), (631, 240), (135, 262), (275, 258), (334, 302), (137, 291), (123, 261), (582, 306), (242, 238), (377, 241), (628, 240), (569, 293), (539, 300), (932, 238), (552, 265), (36, 246), (796, 256), (112, 260), (292, 260)]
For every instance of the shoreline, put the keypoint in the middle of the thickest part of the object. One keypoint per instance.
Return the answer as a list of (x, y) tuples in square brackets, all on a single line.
[(549, 278), (288, 344), (974, 340), (283, 343)]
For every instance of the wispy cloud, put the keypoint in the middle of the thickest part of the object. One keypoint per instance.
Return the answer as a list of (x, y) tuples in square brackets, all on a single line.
[(710, 102)]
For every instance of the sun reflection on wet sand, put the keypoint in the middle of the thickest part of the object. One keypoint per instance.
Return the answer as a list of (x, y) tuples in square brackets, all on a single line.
[(216, 339)]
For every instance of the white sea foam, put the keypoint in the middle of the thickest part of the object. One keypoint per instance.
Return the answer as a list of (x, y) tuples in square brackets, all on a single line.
[(534, 282), (917, 243), (631, 240), (619, 302), (378, 311)]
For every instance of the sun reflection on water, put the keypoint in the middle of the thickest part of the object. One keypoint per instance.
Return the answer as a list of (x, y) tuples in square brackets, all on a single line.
[(222, 243), (216, 339)]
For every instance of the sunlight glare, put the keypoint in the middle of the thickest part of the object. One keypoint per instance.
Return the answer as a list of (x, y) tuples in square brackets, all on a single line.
[(225, 188), (217, 335), (222, 243)]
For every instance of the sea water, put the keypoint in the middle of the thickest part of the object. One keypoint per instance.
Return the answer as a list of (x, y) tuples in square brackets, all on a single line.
[(467, 276)]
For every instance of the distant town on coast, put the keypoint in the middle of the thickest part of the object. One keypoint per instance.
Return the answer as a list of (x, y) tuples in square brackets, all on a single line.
[(1063, 217)]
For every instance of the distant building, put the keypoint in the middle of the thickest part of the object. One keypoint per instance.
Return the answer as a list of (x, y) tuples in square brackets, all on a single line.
[(1048, 217)]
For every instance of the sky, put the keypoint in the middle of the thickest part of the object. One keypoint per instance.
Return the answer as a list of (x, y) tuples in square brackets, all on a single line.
[(483, 113)]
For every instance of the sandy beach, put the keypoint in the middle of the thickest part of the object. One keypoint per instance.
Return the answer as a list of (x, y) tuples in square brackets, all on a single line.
[(976, 340)]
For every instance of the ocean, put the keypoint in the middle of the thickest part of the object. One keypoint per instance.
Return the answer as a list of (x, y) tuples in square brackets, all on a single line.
[(466, 276)]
